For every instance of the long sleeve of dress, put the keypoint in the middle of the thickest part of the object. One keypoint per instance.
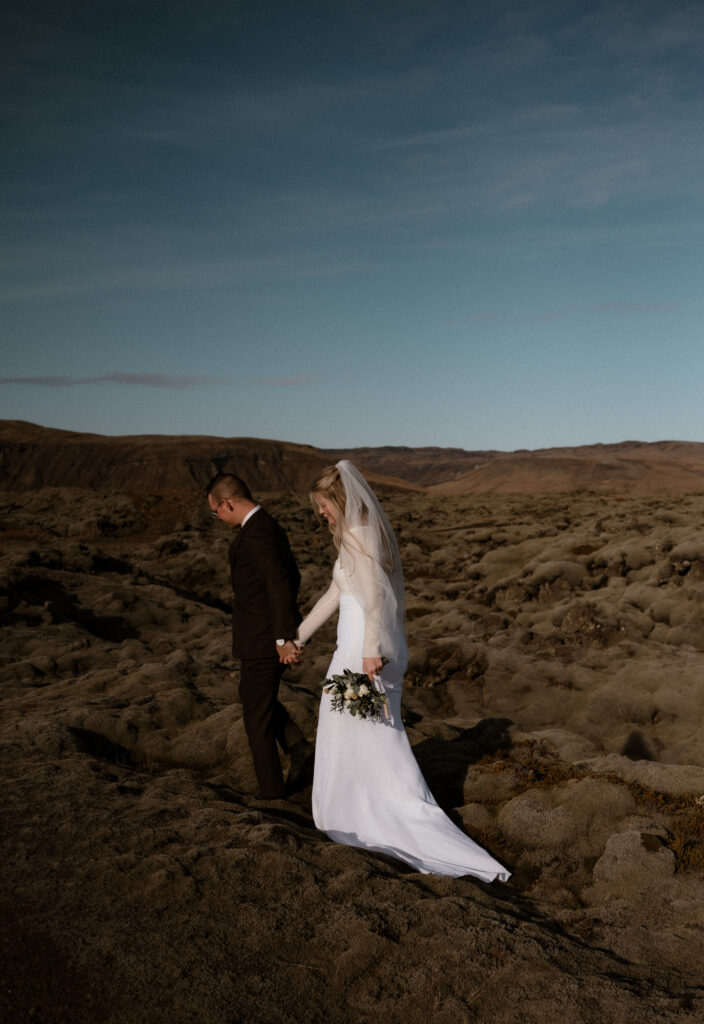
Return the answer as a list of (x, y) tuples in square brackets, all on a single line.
[(319, 613), (363, 574)]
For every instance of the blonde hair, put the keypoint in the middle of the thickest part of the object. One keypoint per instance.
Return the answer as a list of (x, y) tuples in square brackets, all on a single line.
[(329, 484)]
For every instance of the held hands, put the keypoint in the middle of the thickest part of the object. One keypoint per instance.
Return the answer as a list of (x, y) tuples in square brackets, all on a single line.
[(372, 667), (290, 653)]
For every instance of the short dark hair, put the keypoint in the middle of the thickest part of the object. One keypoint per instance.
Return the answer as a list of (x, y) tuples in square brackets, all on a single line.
[(227, 485)]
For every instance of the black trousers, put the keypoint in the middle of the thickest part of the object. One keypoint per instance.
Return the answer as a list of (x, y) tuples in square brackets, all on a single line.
[(266, 721)]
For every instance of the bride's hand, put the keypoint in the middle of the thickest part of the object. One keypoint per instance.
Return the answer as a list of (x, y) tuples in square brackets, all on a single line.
[(372, 667)]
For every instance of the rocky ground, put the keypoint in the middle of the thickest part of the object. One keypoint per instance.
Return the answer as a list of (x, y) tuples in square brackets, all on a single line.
[(555, 702)]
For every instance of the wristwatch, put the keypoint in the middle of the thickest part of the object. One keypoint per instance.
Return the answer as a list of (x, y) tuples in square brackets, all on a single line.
[(280, 643)]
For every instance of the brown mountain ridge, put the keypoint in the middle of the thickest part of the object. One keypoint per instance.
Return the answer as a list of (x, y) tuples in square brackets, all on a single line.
[(33, 456)]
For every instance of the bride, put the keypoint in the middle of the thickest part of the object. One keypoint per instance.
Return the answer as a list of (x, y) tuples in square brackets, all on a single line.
[(368, 790)]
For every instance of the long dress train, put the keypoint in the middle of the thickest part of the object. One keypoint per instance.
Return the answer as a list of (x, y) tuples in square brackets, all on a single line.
[(368, 790)]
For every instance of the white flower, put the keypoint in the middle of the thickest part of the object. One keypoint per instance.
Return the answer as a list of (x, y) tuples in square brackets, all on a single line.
[(350, 694), (363, 690)]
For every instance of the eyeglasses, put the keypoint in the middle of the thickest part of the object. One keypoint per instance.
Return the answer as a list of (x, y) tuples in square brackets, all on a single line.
[(214, 511)]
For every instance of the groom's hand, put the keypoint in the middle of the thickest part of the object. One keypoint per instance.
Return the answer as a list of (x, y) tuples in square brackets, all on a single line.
[(289, 653)]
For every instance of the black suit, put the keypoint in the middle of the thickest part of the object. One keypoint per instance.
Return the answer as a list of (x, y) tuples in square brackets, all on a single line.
[(265, 581)]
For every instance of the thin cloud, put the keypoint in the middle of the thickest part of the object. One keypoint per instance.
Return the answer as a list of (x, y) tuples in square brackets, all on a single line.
[(287, 382), (149, 380), (231, 273), (630, 308), (157, 380), (676, 30), (440, 136), (547, 113), (636, 309)]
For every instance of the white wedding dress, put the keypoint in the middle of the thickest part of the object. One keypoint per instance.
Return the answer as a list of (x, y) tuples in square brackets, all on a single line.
[(368, 790)]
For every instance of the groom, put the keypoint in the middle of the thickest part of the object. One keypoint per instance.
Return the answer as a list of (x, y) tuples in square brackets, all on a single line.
[(265, 581)]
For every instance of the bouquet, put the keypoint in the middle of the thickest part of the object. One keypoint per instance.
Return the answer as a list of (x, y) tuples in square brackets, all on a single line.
[(354, 692)]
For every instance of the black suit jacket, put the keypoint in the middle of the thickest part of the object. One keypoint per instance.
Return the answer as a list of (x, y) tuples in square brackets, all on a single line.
[(265, 582)]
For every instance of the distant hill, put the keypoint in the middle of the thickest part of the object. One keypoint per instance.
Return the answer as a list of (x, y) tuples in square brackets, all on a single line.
[(422, 466), (33, 456), (632, 467)]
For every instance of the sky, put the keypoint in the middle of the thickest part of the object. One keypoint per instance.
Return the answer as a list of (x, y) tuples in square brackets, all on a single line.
[(404, 222)]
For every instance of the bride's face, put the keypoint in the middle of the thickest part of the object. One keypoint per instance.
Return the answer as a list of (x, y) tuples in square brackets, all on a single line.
[(326, 509)]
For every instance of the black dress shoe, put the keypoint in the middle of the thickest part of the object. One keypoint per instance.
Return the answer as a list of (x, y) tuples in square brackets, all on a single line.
[(300, 771)]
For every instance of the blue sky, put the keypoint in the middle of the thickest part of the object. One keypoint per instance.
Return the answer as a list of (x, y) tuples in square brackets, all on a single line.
[(421, 222)]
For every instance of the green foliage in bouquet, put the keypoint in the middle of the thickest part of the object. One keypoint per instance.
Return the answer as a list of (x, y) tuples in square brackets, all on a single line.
[(356, 693)]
